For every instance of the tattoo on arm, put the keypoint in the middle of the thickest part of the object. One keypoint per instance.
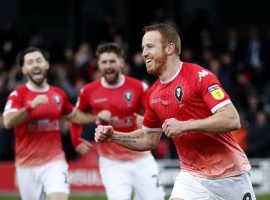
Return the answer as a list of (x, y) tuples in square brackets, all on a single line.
[(126, 138)]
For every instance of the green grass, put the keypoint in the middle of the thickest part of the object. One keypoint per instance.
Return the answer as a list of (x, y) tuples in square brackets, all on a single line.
[(265, 197)]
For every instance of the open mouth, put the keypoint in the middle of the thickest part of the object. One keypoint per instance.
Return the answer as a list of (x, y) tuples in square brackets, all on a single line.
[(147, 61), (36, 71), (108, 72)]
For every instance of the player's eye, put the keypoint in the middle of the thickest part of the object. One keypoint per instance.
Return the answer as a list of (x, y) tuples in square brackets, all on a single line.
[(39, 60), (29, 62)]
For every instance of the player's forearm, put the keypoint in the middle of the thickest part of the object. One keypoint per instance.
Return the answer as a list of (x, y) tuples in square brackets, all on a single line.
[(137, 140), (83, 118), (218, 123), (10, 120)]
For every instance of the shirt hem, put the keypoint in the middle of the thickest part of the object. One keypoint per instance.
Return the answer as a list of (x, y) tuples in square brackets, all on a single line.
[(221, 176)]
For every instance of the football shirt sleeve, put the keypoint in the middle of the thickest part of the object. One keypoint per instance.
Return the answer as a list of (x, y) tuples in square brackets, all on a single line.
[(76, 129), (81, 103), (14, 103), (143, 95), (211, 90), (151, 122), (68, 109)]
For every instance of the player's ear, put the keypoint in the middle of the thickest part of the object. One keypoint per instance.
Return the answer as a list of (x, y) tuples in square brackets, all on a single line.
[(170, 48), (47, 65), (122, 62), (23, 70)]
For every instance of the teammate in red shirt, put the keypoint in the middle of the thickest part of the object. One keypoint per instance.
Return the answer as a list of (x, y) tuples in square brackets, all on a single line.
[(35, 110), (188, 104), (123, 96)]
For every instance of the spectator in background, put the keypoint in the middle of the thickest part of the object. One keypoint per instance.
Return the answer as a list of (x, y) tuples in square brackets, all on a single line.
[(254, 56), (6, 136), (258, 137), (232, 44), (254, 104), (63, 81)]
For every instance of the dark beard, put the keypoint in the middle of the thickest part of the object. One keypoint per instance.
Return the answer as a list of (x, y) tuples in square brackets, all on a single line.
[(38, 82), (112, 81)]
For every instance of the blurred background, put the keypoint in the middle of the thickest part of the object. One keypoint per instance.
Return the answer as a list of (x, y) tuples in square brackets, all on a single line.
[(230, 38)]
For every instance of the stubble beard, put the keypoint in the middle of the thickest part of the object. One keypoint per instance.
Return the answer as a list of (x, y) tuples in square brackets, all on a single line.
[(38, 82), (113, 80), (159, 63)]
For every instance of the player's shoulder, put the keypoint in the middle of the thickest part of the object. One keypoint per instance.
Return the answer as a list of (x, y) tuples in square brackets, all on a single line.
[(192, 67), (90, 86), (153, 87), (19, 90), (195, 71)]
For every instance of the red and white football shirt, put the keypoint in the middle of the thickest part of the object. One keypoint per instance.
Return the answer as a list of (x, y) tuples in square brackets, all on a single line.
[(195, 93), (122, 100), (38, 139)]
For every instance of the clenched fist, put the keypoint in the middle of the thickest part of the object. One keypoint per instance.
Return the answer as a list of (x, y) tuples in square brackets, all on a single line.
[(104, 133)]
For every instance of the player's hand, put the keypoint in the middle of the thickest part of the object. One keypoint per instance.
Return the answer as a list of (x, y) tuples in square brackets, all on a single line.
[(103, 133), (39, 99), (84, 147), (103, 117), (139, 119), (172, 127)]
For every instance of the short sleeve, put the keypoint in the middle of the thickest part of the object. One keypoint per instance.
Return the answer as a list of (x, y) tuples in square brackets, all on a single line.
[(81, 103), (211, 90), (14, 102), (68, 109), (151, 122)]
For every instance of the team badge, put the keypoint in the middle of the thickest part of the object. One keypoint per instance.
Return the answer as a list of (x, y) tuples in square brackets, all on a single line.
[(178, 93), (128, 96), (56, 99), (216, 92)]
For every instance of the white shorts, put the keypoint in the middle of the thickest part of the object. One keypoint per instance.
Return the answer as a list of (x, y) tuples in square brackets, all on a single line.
[(38, 182), (140, 176), (189, 187)]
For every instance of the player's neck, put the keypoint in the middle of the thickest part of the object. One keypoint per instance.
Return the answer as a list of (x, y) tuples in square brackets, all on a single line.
[(36, 87), (170, 70), (119, 83)]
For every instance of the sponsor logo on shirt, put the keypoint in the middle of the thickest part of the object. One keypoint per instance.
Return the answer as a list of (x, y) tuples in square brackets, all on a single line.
[(100, 100), (159, 100), (43, 125), (156, 100), (216, 92), (121, 122), (202, 74), (178, 93)]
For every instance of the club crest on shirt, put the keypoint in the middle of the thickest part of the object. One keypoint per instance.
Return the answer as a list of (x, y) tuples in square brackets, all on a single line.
[(56, 99), (178, 93), (216, 92), (128, 96)]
